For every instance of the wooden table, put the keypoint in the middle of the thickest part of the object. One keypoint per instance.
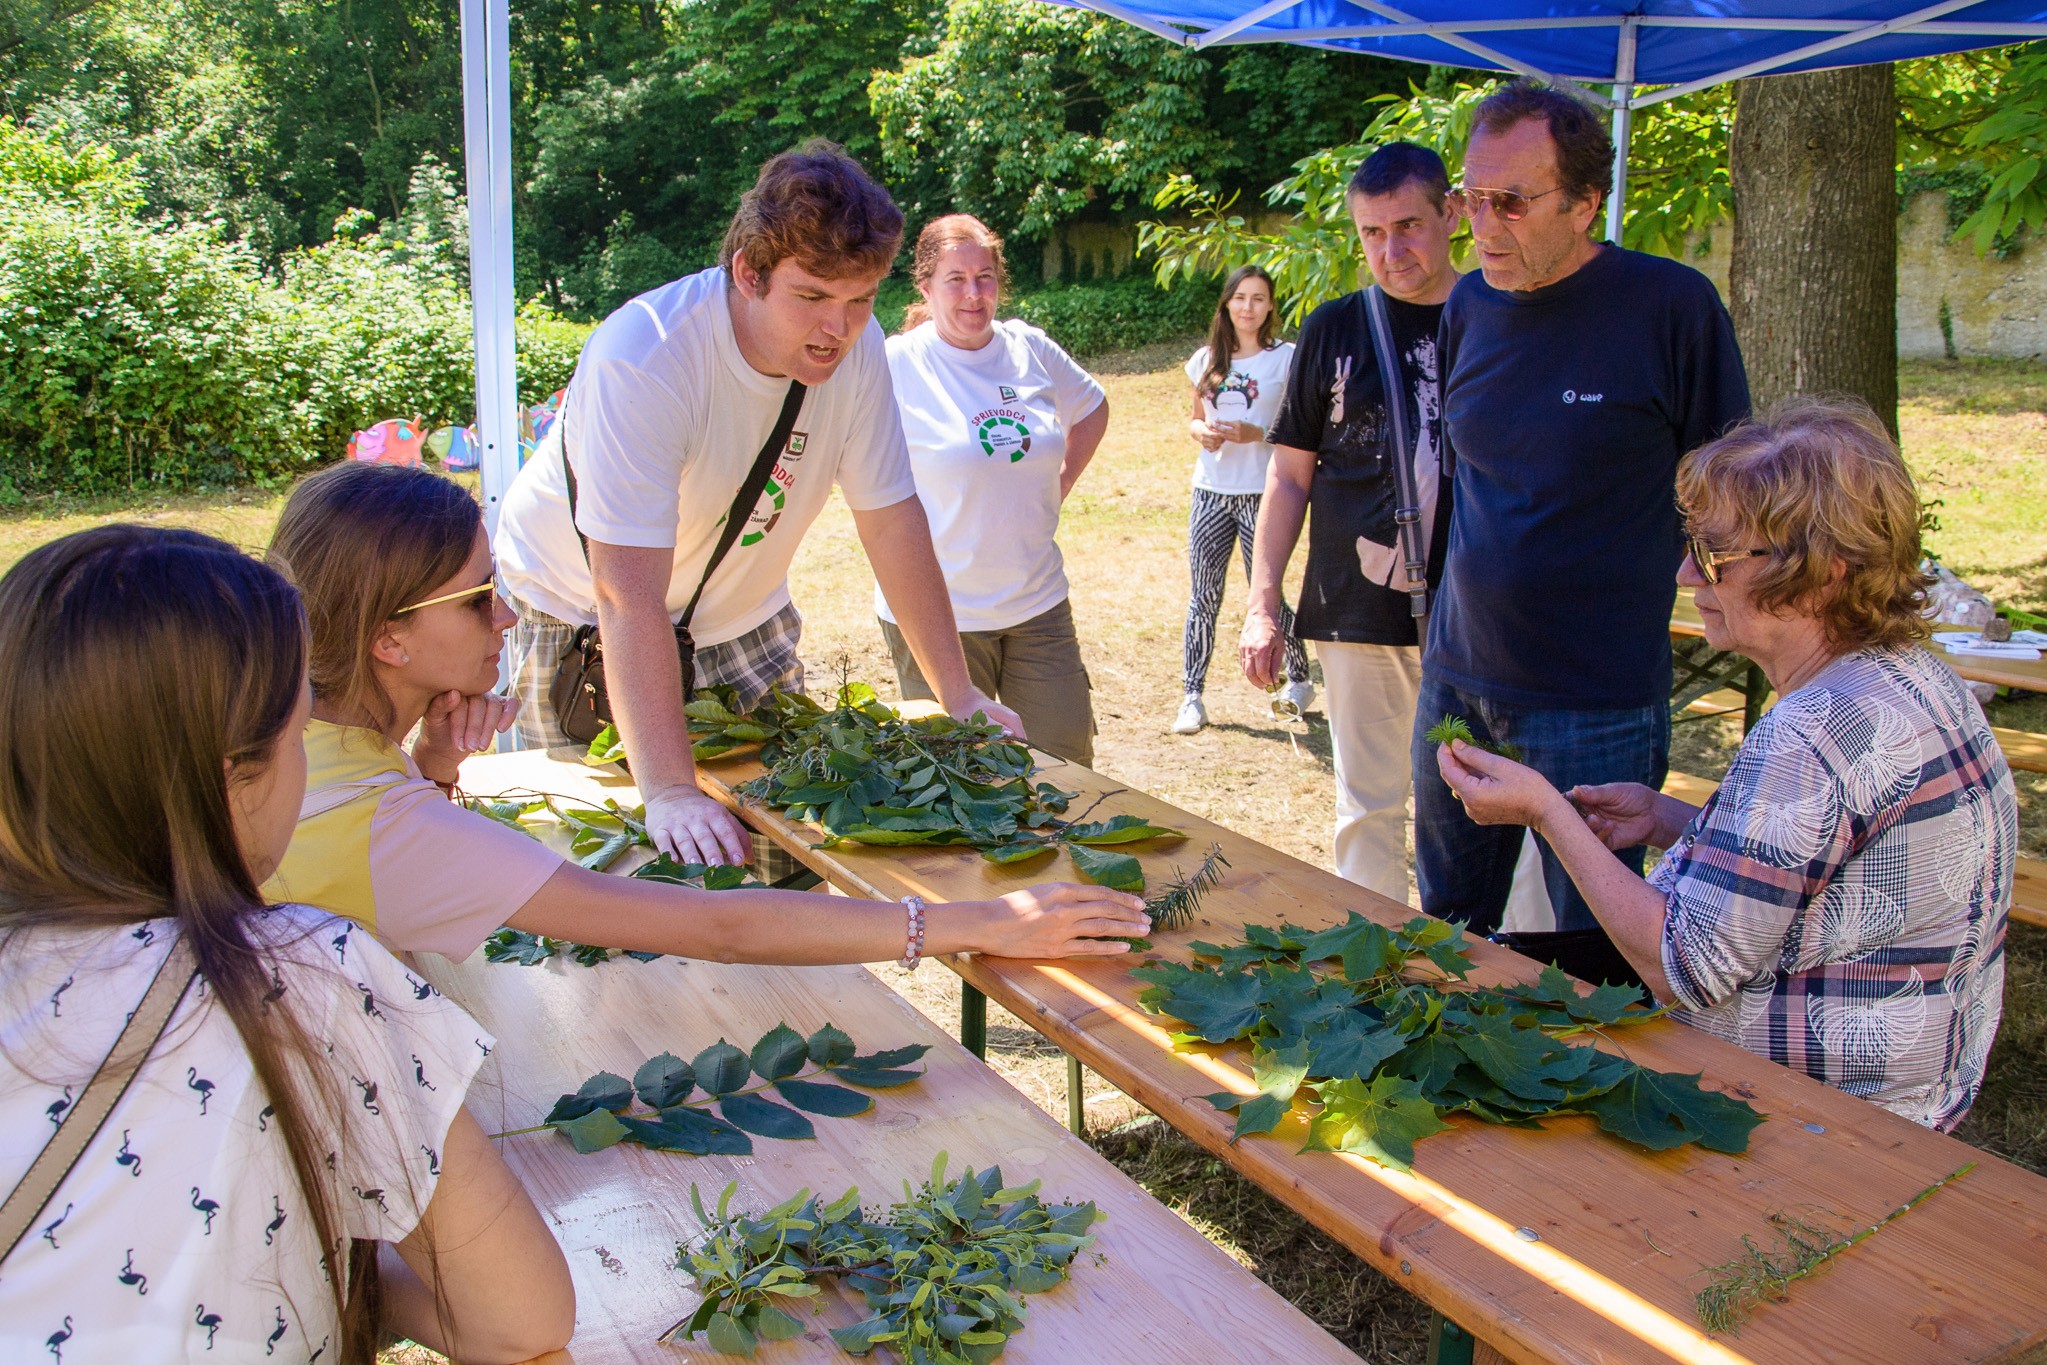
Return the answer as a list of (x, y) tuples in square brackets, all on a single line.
[(1162, 1292), (2027, 674), (1555, 1245)]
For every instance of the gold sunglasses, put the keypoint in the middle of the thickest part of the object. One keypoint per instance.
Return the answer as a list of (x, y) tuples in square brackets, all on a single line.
[(1505, 203), (488, 585), (1709, 561)]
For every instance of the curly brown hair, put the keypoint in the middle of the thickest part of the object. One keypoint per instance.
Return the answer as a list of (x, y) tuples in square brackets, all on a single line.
[(1820, 483), (817, 206)]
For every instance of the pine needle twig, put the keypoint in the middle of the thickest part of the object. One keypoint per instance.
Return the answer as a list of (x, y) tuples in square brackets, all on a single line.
[(1803, 1248), (1173, 905)]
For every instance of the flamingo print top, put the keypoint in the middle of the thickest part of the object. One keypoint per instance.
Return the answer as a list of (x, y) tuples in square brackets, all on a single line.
[(181, 1234), (1839, 904)]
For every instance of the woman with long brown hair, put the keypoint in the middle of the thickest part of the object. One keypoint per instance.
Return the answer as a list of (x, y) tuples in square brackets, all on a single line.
[(1000, 422), (1239, 378), (406, 629), (291, 1172)]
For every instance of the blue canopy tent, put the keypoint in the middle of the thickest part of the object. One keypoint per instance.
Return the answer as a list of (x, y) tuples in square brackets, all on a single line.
[(1614, 49)]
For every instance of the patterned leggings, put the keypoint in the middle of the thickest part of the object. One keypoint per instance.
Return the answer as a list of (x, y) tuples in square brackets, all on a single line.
[(1215, 523)]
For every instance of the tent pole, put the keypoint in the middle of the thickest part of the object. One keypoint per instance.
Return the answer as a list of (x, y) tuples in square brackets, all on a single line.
[(1623, 126), (487, 156)]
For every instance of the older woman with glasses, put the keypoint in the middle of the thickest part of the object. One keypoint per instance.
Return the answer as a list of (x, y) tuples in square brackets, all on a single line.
[(1839, 903)]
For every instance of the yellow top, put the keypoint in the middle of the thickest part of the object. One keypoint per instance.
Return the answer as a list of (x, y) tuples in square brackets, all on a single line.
[(379, 843)]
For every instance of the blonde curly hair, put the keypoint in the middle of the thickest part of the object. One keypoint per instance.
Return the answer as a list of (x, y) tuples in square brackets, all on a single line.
[(1820, 483)]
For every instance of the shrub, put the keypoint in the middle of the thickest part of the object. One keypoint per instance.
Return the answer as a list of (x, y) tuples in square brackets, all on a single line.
[(1089, 319), (150, 353), (135, 354)]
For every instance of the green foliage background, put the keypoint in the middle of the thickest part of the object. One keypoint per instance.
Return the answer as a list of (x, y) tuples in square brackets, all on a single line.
[(231, 233)]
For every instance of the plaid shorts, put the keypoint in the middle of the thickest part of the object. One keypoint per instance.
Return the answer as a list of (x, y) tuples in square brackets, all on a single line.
[(762, 658)]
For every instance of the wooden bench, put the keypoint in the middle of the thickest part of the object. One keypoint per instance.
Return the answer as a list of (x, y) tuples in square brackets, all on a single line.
[(2023, 750), (2029, 879), (1157, 1292)]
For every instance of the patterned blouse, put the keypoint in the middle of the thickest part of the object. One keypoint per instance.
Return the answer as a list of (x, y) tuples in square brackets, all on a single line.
[(181, 1234), (1839, 905)]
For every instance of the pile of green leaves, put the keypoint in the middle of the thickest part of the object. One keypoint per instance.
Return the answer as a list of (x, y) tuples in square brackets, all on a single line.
[(600, 1113), (719, 727), (596, 837), (1450, 729), (529, 950), (865, 775), (943, 1272), (1388, 1053)]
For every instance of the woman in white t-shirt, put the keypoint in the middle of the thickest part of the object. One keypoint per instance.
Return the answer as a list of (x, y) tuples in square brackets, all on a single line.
[(1000, 423), (1239, 378), (307, 1091)]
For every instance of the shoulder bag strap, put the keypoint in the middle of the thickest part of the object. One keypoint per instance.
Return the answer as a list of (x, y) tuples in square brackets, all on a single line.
[(1407, 514), (742, 502), (108, 1084)]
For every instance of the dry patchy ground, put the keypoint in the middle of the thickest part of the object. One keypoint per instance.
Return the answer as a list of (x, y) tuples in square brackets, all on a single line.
[(1975, 432)]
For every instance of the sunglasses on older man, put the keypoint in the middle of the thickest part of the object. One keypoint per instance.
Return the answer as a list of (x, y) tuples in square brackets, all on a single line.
[(1709, 560), (1504, 203)]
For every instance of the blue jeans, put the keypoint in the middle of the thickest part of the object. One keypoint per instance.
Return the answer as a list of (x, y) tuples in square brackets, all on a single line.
[(1465, 869)]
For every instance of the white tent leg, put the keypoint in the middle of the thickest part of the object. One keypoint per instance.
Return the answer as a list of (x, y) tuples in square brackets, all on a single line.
[(1623, 126), (487, 124)]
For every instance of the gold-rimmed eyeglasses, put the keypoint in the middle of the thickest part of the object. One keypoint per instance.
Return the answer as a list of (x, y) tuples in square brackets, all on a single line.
[(1709, 560), (1508, 204)]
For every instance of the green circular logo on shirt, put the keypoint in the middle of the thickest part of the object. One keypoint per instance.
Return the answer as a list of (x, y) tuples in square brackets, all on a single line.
[(766, 513), (1003, 433)]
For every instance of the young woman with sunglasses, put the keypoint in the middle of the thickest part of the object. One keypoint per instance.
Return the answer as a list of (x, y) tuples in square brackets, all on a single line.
[(396, 573), (306, 1092)]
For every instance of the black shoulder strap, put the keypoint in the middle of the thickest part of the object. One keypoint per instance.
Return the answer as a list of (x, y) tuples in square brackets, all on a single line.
[(1407, 513), (742, 502)]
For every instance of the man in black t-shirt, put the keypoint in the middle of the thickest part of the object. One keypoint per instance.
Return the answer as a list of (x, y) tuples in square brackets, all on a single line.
[(1576, 375), (1332, 462)]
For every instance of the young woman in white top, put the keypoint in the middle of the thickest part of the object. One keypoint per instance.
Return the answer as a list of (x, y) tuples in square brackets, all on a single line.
[(1239, 378), (406, 633), (1000, 423), (307, 1092)]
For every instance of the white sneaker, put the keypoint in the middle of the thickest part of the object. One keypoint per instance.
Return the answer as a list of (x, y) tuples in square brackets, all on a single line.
[(1193, 717), (1298, 695)]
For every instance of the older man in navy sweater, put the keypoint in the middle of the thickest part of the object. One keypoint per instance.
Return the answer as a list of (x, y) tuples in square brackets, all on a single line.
[(1577, 374)]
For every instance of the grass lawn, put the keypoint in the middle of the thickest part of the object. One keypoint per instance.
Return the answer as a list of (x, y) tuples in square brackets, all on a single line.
[(1975, 433)]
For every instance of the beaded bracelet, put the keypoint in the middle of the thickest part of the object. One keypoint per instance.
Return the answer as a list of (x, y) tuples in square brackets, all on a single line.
[(913, 938)]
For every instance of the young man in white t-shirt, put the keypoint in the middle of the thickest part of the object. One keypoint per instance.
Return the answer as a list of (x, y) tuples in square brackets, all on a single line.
[(672, 399)]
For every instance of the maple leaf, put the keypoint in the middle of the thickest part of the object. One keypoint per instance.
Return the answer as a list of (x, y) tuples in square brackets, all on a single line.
[(1429, 1061), (1659, 1110), (1522, 1060), (1297, 1002), (1353, 1044), (1218, 1007), (1381, 1119)]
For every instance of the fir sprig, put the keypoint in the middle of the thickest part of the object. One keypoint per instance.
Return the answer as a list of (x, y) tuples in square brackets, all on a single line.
[(1173, 905), (1452, 728), (1801, 1248)]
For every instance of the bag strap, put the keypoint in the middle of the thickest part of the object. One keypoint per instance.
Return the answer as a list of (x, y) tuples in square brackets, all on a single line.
[(109, 1083), (1407, 513), (742, 502)]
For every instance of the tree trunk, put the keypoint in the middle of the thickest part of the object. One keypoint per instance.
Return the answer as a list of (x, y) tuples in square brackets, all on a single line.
[(1814, 275)]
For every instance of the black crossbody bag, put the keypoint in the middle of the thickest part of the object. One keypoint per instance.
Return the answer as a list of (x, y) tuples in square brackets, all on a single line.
[(1407, 502), (581, 705)]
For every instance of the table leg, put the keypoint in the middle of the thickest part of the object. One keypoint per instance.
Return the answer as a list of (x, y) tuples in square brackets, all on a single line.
[(1449, 1344), (973, 1021), (1076, 1097)]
